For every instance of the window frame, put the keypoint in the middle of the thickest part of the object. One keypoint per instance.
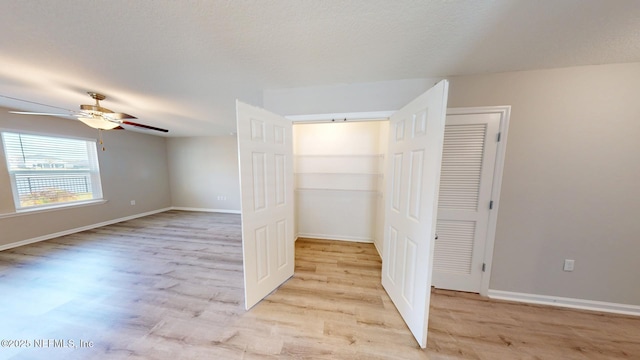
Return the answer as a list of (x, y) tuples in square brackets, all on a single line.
[(93, 173)]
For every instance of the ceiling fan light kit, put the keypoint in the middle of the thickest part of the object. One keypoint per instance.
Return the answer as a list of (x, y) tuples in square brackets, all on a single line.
[(98, 123)]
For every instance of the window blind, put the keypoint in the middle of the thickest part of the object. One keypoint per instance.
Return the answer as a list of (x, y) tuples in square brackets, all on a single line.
[(47, 170)]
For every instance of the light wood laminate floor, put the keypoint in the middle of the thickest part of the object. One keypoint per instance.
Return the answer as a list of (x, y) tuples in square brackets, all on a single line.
[(169, 286)]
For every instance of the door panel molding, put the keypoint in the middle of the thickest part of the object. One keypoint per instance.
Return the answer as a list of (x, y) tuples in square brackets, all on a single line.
[(411, 206), (265, 157)]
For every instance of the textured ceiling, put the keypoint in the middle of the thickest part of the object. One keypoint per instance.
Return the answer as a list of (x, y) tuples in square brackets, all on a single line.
[(181, 64)]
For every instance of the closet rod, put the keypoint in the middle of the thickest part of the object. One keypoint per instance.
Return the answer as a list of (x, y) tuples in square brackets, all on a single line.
[(302, 122), (340, 117)]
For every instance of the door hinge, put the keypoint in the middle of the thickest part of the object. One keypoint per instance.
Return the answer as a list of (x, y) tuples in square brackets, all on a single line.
[(491, 205), (498, 138), (484, 267)]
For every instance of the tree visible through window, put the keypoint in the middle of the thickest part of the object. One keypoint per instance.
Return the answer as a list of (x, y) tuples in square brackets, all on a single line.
[(48, 170)]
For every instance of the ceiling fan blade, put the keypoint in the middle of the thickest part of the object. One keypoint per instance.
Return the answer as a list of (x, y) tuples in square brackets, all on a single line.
[(118, 116), (38, 113), (144, 126)]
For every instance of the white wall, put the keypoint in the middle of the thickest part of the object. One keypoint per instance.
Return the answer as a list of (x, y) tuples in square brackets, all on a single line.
[(337, 181), (570, 180), (202, 169), (570, 177), (377, 96), (133, 167)]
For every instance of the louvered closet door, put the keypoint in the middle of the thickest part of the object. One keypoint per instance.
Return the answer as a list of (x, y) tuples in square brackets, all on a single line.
[(468, 162)]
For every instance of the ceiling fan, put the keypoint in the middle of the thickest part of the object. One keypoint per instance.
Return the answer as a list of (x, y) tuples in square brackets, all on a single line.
[(98, 117)]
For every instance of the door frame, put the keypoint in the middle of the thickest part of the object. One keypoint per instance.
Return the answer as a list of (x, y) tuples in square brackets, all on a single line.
[(505, 114)]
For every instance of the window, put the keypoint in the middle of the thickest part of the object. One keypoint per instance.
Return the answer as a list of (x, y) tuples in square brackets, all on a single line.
[(48, 170)]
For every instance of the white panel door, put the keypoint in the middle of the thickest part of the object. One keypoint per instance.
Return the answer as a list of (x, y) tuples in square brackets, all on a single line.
[(265, 155), (415, 152), (468, 163)]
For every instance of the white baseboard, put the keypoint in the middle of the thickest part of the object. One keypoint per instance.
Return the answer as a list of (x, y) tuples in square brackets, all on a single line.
[(377, 249), (225, 211), (566, 302), (79, 229), (334, 237)]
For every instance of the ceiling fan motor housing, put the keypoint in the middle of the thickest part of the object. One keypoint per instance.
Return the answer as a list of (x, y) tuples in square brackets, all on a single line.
[(95, 109)]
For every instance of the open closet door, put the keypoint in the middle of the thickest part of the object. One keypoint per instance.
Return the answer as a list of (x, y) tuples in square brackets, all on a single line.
[(265, 155), (416, 135)]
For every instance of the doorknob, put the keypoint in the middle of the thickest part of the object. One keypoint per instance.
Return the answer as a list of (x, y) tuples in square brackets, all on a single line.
[(436, 236)]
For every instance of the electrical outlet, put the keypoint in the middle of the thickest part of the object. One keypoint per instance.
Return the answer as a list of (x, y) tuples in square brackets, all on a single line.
[(133, 202), (568, 265)]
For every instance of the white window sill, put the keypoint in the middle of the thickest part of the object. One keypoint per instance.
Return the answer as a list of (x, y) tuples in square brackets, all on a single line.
[(38, 210)]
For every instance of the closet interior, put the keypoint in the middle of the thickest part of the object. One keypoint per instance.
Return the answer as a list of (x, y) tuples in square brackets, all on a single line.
[(339, 180)]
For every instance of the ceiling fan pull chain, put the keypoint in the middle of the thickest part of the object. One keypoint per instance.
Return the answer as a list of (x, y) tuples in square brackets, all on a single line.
[(100, 138)]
